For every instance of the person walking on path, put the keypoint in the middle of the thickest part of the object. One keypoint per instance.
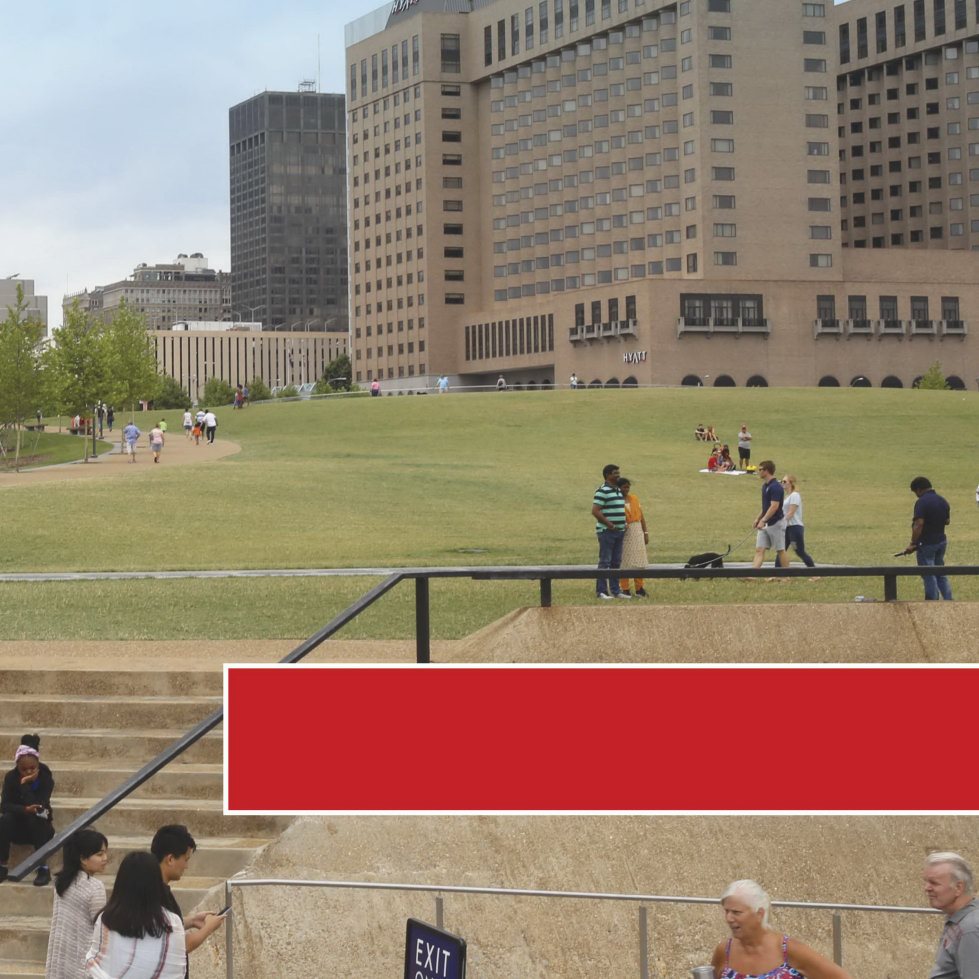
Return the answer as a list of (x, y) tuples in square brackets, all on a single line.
[(795, 531), (608, 509), (501, 383), (78, 899), (744, 447), (770, 523), (130, 436), (949, 888), (635, 540), (928, 541), (210, 425), (188, 423), (157, 439), (110, 416)]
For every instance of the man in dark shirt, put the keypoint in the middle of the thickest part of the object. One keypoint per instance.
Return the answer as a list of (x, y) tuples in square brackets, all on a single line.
[(173, 846), (608, 509), (770, 523), (928, 541)]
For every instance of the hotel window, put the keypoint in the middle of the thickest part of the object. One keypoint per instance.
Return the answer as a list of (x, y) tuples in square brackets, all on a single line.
[(814, 65), (451, 54), (919, 20), (719, 6), (844, 44), (880, 26), (529, 29), (939, 16), (415, 56), (725, 258), (900, 27), (814, 10), (861, 37), (542, 18), (821, 261)]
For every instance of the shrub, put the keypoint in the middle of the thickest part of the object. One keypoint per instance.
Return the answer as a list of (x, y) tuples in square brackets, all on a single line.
[(170, 394), (289, 391), (217, 392), (258, 390), (933, 379), (336, 376)]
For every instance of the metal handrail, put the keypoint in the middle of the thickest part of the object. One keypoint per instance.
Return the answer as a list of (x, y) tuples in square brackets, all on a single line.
[(641, 899), (40, 856), (544, 574)]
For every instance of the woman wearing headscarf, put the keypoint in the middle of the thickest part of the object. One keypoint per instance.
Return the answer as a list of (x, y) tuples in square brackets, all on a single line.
[(25, 805)]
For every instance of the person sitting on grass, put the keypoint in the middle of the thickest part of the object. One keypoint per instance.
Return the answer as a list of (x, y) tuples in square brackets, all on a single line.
[(725, 463), (714, 459), (700, 433), (25, 805), (711, 435)]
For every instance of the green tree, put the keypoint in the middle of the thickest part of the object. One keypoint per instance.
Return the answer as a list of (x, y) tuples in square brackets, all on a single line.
[(289, 391), (258, 390), (170, 393), (217, 392), (933, 379), (20, 367), (75, 374), (336, 376), (130, 365)]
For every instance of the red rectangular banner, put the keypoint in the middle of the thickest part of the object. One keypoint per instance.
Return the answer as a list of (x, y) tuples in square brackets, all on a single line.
[(596, 738)]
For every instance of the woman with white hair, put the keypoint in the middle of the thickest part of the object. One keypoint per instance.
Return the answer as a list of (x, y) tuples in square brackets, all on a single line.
[(756, 951)]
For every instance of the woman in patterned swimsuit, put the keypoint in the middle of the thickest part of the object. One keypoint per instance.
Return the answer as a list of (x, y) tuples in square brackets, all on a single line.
[(755, 951)]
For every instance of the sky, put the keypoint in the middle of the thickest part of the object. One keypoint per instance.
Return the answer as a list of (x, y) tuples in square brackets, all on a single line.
[(114, 125)]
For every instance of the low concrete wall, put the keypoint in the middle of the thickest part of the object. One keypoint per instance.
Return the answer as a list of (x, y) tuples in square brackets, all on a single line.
[(307, 934)]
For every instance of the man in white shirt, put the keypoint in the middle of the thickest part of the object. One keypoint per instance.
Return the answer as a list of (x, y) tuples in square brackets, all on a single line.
[(210, 425)]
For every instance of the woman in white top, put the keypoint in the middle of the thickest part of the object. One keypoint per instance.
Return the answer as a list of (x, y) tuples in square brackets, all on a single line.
[(78, 899), (794, 528), (136, 936)]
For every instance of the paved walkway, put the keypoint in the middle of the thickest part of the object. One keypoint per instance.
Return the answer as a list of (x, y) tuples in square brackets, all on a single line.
[(178, 451)]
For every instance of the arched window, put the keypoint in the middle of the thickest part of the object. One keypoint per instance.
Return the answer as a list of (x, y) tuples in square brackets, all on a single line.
[(595, 384), (860, 382), (828, 382), (630, 382), (692, 381), (531, 385), (612, 382), (891, 382), (547, 383), (724, 381), (955, 383), (756, 381), (916, 383)]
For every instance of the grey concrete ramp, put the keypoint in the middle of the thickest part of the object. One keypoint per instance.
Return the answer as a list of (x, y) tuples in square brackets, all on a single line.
[(872, 632)]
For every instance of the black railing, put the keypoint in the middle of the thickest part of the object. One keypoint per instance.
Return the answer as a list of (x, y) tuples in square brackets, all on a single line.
[(545, 575)]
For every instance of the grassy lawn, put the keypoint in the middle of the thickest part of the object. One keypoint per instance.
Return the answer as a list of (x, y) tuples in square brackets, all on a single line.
[(476, 479), (46, 448)]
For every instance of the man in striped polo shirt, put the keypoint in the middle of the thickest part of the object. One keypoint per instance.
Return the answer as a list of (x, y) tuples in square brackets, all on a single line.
[(608, 509)]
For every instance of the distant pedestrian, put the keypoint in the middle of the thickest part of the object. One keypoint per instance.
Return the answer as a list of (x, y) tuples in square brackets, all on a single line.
[(245, 394), (100, 416), (130, 436), (573, 381), (928, 541), (78, 899), (795, 531), (210, 425), (443, 384), (608, 509), (188, 422), (744, 447), (164, 427), (770, 523), (110, 416), (157, 439), (25, 805), (239, 398), (501, 383), (375, 388)]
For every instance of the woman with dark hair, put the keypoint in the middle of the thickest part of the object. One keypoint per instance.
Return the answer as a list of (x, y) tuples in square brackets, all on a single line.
[(79, 898), (135, 935), (25, 805)]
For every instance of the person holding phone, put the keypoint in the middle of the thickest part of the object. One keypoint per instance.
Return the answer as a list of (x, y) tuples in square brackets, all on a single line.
[(25, 805)]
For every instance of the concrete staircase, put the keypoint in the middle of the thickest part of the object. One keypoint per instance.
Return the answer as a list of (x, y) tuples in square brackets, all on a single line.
[(99, 724)]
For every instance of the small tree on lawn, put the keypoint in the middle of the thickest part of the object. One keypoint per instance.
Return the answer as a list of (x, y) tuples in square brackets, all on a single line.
[(20, 367), (170, 393), (258, 390), (75, 375), (217, 392), (130, 365), (933, 379), (336, 376)]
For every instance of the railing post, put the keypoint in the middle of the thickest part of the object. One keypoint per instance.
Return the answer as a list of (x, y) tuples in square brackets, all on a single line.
[(643, 943), (837, 938), (423, 650), (545, 593), (229, 926), (439, 911), (890, 587)]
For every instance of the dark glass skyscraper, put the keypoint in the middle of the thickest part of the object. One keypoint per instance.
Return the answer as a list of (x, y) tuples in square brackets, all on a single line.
[(289, 210)]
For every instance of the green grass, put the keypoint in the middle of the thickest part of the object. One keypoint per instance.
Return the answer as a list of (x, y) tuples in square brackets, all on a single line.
[(475, 479)]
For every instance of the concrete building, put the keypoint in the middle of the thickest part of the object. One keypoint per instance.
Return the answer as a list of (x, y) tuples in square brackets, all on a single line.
[(185, 289), (289, 210), (37, 306), (653, 193)]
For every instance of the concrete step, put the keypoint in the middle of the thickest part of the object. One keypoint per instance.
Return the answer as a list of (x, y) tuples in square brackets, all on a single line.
[(123, 682), (38, 712), (25, 898), (77, 778), (203, 816), (17, 970), (24, 938), (112, 745)]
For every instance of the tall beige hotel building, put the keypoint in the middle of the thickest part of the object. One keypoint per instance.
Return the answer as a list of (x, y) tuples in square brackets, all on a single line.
[(721, 192)]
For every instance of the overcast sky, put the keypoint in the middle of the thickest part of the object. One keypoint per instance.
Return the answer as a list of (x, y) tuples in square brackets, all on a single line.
[(114, 127)]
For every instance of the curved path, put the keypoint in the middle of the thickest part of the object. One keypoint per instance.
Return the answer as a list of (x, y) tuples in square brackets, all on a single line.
[(178, 451)]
